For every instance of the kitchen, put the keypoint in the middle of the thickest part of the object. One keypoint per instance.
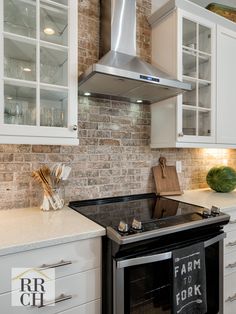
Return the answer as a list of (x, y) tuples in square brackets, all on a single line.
[(113, 157)]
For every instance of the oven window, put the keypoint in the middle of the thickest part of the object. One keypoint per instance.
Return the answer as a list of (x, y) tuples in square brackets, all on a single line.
[(148, 288)]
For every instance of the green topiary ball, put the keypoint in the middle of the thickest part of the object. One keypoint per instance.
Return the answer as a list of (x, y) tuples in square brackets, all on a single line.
[(221, 179)]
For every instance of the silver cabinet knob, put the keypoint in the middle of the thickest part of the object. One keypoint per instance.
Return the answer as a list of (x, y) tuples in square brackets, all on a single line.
[(74, 127), (123, 226), (136, 224)]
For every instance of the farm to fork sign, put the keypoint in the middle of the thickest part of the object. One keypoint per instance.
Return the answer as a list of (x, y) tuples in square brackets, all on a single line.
[(189, 280)]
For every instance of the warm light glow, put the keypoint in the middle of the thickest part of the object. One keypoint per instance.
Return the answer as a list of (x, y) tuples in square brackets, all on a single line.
[(217, 155), (27, 70), (139, 101), (87, 94), (49, 31), (9, 98)]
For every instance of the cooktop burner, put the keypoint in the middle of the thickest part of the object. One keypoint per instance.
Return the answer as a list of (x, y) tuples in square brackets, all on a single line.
[(132, 218)]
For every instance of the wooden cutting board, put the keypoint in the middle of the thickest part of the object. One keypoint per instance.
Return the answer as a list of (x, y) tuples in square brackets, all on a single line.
[(166, 179)]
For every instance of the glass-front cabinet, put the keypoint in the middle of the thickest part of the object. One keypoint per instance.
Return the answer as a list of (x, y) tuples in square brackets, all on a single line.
[(197, 48), (184, 46), (38, 72)]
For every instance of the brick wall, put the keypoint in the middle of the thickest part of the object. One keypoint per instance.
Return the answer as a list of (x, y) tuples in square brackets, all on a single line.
[(114, 157)]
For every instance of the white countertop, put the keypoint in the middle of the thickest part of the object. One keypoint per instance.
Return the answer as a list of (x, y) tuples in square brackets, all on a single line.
[(31, 228), (207, 198)]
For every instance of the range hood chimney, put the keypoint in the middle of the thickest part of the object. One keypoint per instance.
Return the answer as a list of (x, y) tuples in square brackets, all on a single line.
[(120, 74)]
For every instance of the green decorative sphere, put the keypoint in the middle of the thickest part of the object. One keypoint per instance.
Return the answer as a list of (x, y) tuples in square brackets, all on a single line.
[(221, 179)]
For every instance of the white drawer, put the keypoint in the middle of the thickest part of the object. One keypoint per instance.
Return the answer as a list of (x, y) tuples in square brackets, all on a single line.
[(230, 242), (230, 263), (230, 286), (230, 307), (231, 226), (88, 308), (83, 255), (83, 287)]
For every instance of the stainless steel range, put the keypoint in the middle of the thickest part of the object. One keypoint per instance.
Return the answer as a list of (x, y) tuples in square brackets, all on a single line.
[(142, 233)]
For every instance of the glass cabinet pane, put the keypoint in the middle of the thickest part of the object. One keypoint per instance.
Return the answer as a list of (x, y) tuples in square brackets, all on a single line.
[(190, 98), (204, 39), (53, 24), (204, 123), (189, 34), (53, 66), (53, 110), (189, 122), (204, 67), (20, 17), (189, 64), (204, 95), (20, 105), (19, 60)]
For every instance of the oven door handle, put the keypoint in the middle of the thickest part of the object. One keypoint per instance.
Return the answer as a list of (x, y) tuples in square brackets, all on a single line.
[(161, 256)]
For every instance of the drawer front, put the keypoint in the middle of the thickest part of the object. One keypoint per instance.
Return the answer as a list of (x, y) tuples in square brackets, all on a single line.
[(230, 286), (83, 288), (230, 263), (230, 307), (230, 242), (231, 226), (89, 308), (83, 255)]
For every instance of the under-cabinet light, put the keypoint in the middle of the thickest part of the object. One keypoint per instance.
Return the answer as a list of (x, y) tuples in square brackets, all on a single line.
[(139, 101), (87, 94), (49, 31), (9, 98), (27, 70)]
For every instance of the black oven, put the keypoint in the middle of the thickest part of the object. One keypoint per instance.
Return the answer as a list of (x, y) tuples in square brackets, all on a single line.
[(142, 283), (143, 233)]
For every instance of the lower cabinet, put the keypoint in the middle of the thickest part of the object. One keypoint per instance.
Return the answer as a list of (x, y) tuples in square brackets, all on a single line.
[(230, 265), (78, 277), (89, 308)]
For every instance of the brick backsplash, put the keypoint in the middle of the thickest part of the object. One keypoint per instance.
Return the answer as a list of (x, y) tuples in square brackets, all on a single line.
[(114, 157)]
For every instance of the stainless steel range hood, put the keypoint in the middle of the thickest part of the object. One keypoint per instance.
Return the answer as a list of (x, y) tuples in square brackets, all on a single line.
[(120, 74)]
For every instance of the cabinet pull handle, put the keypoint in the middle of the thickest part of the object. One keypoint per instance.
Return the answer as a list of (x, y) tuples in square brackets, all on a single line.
[(231, 243), (231, 299), (59, 264), (61, 298), (232, 221), (233, 265), (181, 134)]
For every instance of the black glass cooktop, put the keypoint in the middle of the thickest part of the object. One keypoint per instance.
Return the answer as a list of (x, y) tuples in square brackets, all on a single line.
[(152, 211)]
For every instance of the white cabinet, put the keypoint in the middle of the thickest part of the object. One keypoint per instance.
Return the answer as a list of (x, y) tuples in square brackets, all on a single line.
[(38, 71), (184, 46), (226, 86), (230, 264), (78, 277)]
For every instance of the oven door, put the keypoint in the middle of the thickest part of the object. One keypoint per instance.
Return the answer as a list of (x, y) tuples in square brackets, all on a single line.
[(144, 284)]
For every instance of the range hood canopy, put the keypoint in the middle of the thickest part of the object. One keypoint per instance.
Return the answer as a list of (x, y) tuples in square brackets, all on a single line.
[(120, 74)]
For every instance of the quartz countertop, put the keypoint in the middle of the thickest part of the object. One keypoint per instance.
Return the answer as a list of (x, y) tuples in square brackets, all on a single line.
[(31, 228), (207, 198)]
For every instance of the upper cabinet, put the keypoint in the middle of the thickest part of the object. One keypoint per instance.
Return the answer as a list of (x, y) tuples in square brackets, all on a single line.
[(38, 72), (190, 45), (199, 47), (226, 86)]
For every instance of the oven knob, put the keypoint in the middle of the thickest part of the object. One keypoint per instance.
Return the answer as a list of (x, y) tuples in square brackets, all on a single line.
[(136, 224), (206, 213), (215, 211), (123, 227)]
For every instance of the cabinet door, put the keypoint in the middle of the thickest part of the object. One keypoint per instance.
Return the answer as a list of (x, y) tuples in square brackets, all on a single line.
[(226, 86), (196, 109), (38, 72)]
